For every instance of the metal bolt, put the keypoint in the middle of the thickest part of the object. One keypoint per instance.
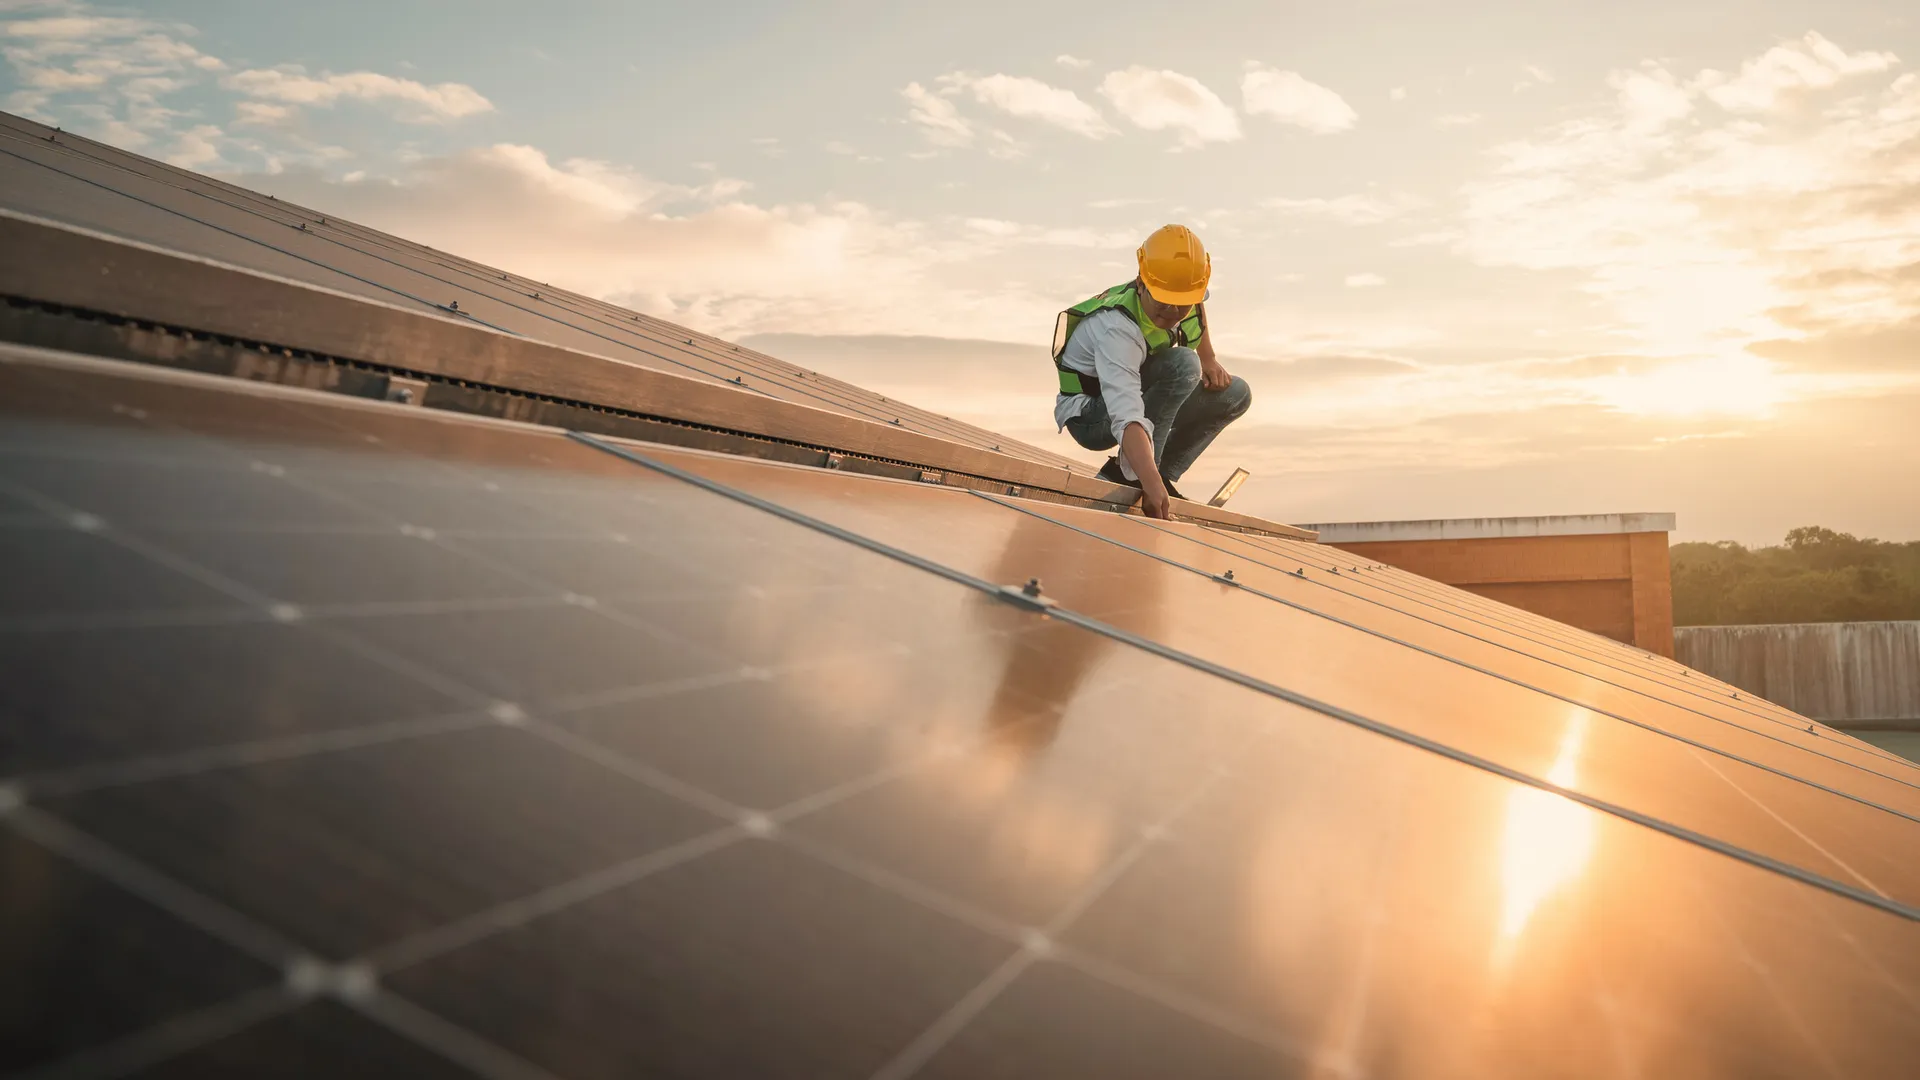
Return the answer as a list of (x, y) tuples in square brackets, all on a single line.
[(453, 306), (896, 419), (689, 341), (1300, 571), (1228, 575), (1736, 697), (1032, 587), (741, 379)]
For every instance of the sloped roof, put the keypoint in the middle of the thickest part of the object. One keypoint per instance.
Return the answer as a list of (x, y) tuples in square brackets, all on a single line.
[(351, 734)]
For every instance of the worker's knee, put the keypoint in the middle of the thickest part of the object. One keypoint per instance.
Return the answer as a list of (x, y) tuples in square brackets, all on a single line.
[(1177, 367), (1239, 397)]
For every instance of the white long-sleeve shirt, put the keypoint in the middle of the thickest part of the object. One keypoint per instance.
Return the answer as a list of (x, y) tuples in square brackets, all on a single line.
[(1109, 346)]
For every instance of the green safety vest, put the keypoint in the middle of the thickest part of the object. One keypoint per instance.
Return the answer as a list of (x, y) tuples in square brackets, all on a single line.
[(1124, 298)]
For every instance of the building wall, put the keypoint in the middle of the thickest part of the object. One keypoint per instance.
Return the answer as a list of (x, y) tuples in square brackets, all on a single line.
[(1616, 584), (1865, 674)]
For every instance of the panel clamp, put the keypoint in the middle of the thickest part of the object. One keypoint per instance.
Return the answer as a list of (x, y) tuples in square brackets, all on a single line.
[(1028, 596)]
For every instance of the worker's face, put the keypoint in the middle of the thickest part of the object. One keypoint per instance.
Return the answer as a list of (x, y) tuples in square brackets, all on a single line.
[(1164, 316)]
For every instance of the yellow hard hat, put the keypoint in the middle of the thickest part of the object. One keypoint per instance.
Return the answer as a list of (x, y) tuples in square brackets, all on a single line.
[(1174, 267)]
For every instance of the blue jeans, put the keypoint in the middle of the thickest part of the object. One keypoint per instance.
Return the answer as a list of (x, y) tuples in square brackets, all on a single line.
[(1185, 416)]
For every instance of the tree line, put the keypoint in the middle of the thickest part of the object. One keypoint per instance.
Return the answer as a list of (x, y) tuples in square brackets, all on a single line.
[(1816, 575)]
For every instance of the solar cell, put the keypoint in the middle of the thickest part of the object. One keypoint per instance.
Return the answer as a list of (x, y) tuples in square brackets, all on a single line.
[(630, 776)]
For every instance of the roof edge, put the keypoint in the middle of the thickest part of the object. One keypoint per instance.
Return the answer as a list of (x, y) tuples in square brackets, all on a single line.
[(69, 267)]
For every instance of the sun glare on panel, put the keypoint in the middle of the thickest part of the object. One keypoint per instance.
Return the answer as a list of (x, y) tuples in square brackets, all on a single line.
[(1547, 842), (1737, 384)]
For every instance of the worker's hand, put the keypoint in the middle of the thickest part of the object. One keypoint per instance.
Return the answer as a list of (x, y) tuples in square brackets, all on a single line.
[(1153, 499), (1212, 375)]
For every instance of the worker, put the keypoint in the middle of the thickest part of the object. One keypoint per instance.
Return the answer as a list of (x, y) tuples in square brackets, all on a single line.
[(1137, 371)]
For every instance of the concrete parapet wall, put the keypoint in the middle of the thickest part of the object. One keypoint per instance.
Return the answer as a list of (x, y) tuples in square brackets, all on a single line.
[(1864, 674), (1371, 532)]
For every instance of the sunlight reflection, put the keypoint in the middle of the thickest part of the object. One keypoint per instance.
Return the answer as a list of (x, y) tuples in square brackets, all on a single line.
[(1547, 843)]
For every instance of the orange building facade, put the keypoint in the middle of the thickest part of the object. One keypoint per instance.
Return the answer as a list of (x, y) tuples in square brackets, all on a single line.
[(1606, 573)]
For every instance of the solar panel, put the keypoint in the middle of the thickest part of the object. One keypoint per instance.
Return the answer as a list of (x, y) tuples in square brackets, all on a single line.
[(72, 179), (346, 738)]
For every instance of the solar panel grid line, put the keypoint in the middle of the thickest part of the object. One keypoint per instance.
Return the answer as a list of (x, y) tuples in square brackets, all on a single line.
[(81, 622), (1429, 594), (1037, 943), (1762, 806), (1437, 654), (1697, 685), (140, 770), (449, 1040), (1597, 647), (1593, 645), (86, 778), (191, 907), (1601, 649), (1544, 659), (1433, 746), (194, 184), (171, 1038), (395, 956), (851, 404), (236, 234), (1781, 1002), (385, 657), (446, 1038), (745, 825)]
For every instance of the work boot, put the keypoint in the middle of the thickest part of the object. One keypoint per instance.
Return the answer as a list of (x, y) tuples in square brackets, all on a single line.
[(1110, 472)]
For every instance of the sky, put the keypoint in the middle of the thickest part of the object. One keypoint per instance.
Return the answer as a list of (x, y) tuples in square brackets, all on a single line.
[(1474, 259)]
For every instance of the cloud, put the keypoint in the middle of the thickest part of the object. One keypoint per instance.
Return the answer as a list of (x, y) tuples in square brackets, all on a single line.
[(1065, 60), (939, 120), (709, 256), (261, 113), (1458, 119), (1364, 281), (1291, 98), (1706, 218), (1398, 93), (1031, 99), (1169, 101), (1892, 348), (418, 102), (110, 77), (1345, 209), (1811, 63), (1530, 77)]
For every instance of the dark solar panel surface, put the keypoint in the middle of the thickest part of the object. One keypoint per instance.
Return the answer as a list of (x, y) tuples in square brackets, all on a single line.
[(78, 181), (344, 739)]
